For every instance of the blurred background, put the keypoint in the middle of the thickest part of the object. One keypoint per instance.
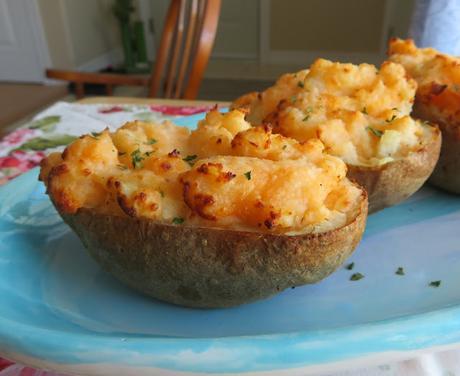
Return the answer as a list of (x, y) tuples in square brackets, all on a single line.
[(256, 41)]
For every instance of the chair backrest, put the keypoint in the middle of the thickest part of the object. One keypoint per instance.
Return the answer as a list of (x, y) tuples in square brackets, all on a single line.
[(186, 44)]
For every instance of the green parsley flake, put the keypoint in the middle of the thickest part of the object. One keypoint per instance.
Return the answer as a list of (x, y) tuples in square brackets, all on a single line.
[(122, 167), (307, 113), (435, 284), (392, 118), (350, 266), (400, 271), (376, 132), (284, 147), (248, 175), (300, 84), (137, 158), (95, 135), (364, 111), (178, 220), (293, 99), (162, 194), (356, 277), (190, 159), (151, 141)]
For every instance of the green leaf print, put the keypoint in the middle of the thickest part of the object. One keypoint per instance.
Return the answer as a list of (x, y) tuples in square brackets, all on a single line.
[(144, 116), (42, 143), (47, 124)]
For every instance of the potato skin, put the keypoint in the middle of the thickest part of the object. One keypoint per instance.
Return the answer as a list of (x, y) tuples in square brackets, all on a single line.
[(210, 267), (393, 182), (446, 174)]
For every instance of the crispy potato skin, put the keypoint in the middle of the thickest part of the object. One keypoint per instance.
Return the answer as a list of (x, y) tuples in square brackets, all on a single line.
[(442, 109), (395, 181), (210, 267), (446, 174)]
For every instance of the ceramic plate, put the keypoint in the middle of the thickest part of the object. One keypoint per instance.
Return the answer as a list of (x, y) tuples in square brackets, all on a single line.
[(60, 310)]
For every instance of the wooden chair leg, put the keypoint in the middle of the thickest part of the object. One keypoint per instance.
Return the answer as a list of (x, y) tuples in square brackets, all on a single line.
[(109, 90), (79, 90)]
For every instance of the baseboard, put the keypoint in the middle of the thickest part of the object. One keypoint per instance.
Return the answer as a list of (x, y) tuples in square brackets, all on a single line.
[(112, 57)]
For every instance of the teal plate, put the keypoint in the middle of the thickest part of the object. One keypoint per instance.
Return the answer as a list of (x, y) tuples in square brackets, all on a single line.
[(59, 310)]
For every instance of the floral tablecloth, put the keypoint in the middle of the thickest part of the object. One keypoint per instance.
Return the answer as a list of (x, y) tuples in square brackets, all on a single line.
[(61, 123)]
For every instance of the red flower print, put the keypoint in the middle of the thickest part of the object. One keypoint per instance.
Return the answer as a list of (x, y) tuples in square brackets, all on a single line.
[(17, 137), (180, 110), (18, 162), (109, 110)]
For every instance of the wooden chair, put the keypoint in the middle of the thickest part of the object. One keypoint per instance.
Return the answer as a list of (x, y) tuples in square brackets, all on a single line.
[(186, 43)]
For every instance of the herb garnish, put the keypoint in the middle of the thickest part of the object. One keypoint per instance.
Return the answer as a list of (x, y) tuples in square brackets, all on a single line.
[(190, 159), (350, 266), (178, 220), (162, 194), (392, 118), (284, 147), (307, 114), (435, 284), (364, 111), (122, 167), (248, 175), (95, 135), (400, 271), (137, 158), (151, 141), (300, 84), (293, 99), (376, 132), (356, 277)]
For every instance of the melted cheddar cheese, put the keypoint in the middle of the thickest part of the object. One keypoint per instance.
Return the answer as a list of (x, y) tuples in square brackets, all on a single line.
[(253, 180)]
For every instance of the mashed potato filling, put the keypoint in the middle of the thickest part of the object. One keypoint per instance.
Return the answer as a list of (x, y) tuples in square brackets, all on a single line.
[(360, 113), (437, 75), (253, 180)]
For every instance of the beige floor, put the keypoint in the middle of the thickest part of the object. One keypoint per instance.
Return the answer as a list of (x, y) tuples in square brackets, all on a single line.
[(19, 101)]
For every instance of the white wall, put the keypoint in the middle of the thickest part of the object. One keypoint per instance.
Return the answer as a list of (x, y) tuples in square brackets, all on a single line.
[(80, 33)]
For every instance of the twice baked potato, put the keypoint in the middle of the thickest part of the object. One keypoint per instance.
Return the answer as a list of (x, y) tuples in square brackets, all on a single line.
[(216, 231), (361, 115), (437, 100)]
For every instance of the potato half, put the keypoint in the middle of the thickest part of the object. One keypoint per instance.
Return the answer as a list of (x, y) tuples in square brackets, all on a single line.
[(212, 267), (362, 115), (207, 232), (437, 100)]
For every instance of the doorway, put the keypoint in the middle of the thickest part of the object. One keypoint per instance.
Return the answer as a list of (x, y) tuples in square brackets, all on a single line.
[(23, 48)]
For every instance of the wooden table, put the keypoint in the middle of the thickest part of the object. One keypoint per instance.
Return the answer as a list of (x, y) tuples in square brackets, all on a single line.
[(148, 101)]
